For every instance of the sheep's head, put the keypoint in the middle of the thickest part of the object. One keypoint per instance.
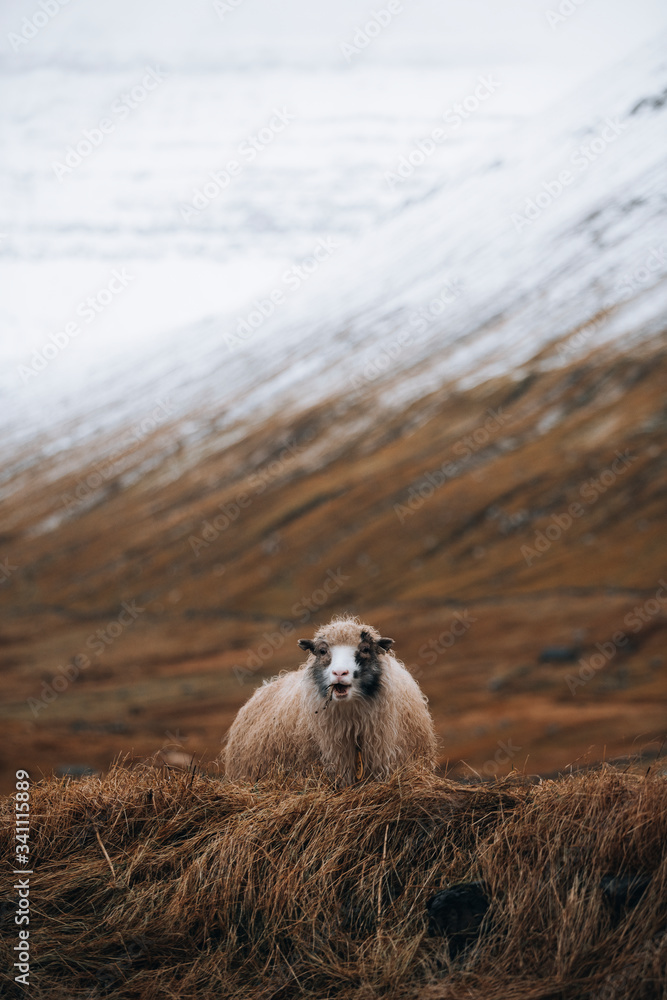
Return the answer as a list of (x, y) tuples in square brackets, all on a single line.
[(347, 669)]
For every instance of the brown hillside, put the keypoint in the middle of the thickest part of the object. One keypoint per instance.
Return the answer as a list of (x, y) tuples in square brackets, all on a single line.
[(331, 495)]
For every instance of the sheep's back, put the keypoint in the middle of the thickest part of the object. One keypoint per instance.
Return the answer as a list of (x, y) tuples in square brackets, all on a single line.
[(270, 728)]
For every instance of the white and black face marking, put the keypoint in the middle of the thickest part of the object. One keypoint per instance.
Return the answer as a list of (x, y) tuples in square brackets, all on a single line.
[(347, 671)]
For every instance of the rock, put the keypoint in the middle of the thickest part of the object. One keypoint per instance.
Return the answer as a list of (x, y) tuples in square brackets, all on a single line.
[(623, 892), (458, 913), (560, 654)]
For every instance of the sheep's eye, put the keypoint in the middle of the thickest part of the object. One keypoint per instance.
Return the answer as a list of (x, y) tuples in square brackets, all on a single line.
[(364, 649), (323, 650)]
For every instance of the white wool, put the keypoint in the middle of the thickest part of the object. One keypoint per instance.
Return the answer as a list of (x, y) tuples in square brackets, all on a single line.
[(286, 722)]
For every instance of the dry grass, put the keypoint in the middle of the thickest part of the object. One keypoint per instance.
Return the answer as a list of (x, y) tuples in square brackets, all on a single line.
[(164, 884)]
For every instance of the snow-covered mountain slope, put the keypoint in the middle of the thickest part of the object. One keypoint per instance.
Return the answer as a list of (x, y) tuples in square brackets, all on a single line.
[(564, 223), (558, 231)]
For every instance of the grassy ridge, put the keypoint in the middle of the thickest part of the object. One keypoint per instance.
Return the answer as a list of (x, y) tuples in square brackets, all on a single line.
[(150, 884)]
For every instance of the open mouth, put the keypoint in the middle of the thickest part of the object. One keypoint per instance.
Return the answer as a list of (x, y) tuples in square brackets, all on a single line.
[(341, 690)]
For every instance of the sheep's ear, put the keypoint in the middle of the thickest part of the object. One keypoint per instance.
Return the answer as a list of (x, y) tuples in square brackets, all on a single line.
[(307, 644), (385, 643)]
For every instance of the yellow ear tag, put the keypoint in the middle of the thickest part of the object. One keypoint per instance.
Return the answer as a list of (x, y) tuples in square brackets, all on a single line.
[(359, 768)]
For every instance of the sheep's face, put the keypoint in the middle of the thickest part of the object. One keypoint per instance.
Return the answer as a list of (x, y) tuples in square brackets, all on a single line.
[(344, 673)]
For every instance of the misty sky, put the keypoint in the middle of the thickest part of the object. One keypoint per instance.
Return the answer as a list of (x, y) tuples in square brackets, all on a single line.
[(596, 33)]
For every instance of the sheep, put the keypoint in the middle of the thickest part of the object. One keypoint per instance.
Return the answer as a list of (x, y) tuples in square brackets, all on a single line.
[(351, 710)]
